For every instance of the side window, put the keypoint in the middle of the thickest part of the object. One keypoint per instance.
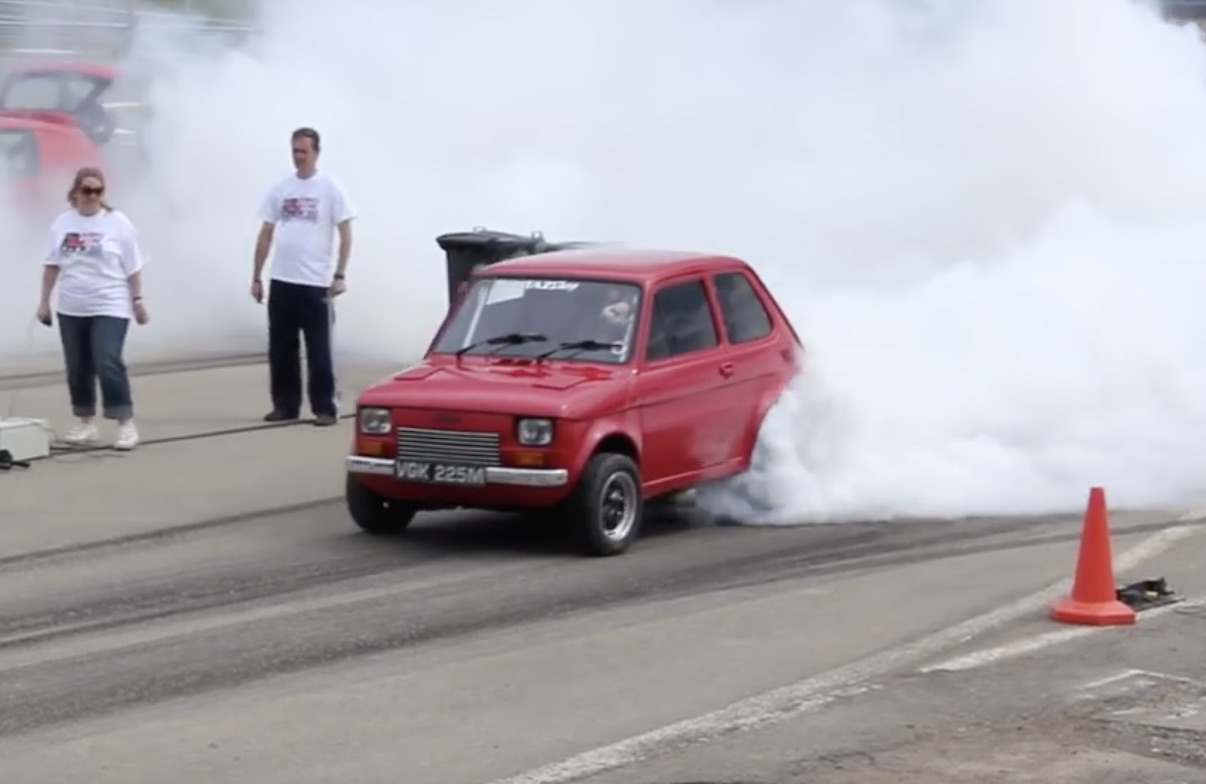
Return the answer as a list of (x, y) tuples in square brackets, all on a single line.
[(18, 153), (745, 318), (682, 321)]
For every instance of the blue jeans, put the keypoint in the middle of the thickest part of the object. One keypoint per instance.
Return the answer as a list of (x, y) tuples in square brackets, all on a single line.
[(92, 350)]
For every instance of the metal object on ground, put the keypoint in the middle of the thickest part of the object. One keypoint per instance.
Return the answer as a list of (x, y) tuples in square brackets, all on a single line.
[(1147, 594), (24, 439)]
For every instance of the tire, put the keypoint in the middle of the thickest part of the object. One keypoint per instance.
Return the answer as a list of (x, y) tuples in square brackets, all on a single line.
[(374, 514), (608, 479)]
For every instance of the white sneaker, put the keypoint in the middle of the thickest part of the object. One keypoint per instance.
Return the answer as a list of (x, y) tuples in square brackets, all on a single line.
[(127, 436), (82, 434)]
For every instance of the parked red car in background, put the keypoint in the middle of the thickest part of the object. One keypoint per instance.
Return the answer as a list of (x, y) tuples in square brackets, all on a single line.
[(68, 92), (56, 116), (37, 160)]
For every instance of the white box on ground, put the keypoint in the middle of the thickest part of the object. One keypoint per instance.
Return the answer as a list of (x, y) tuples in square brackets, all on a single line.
[(25, 439)]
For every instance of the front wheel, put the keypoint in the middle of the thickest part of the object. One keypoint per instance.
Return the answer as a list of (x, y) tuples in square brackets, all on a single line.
[(374, 514), (607, 505)]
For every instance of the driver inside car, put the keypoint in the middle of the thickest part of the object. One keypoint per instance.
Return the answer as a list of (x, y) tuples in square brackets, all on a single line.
[(618, 309), (616, 316)]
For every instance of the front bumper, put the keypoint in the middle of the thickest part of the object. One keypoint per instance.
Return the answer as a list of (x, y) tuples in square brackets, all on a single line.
[(495, 475)]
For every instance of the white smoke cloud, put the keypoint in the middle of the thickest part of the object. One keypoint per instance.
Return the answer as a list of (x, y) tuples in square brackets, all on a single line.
[(985, 218)]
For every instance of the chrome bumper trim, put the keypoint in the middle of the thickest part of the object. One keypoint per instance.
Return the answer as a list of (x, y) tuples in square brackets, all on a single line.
[(527, 477), (356, 464), (495, 475)]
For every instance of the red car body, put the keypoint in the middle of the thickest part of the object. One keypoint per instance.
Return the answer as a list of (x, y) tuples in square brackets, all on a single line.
[(67, 111), (37, 162), (65, 92), (677, 401)]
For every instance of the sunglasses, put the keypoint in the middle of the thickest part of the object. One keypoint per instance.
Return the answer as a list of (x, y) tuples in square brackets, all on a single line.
[(90, 191)]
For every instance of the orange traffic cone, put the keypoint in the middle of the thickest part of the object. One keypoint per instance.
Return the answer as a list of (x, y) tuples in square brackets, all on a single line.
[(1094, 600)]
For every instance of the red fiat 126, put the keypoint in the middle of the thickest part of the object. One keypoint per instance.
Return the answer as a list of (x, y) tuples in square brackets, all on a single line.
[(578, 382)]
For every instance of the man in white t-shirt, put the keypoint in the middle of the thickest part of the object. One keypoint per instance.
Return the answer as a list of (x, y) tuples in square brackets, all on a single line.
[(302, 213)]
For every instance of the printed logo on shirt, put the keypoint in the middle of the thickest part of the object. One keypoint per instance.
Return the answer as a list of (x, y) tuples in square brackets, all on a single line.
[(87, 243), (303, 208)]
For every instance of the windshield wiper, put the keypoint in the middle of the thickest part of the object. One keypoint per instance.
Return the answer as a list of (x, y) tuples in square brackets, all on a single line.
[(579, 345), (509, 339)]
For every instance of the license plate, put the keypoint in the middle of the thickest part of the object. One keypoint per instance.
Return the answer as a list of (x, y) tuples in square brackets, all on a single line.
[(440, 473)]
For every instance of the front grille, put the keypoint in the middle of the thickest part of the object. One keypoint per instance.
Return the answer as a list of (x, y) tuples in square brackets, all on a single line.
[(448, 446)]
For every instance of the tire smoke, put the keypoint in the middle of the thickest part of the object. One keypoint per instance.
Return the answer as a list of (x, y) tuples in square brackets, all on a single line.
[(986, 219)]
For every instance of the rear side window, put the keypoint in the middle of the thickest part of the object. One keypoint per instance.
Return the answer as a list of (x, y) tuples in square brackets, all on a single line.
[(18, 153), (682, 321), (745, 318)]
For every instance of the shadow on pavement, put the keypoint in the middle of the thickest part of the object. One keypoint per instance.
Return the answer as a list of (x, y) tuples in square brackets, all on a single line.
[(514, 534)]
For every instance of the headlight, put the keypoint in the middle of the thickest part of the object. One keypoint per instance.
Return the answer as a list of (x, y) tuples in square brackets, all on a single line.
[(374, 421), (535, 432)]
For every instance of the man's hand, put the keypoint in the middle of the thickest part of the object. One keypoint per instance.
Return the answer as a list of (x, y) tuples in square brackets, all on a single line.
[(263, 243), (338, 286)]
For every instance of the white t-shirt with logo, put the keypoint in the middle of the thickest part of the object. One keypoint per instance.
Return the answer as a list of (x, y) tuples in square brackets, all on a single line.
[(306, 213), (96, 255)]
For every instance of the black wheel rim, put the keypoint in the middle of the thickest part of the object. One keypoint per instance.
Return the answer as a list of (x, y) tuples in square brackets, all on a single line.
[(618, 506)]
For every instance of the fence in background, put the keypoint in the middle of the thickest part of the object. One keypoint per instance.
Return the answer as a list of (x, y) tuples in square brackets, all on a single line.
[(1184, 9), (100, 28)]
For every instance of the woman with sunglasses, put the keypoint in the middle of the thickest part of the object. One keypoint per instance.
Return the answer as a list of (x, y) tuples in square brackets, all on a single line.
[(95, 263)]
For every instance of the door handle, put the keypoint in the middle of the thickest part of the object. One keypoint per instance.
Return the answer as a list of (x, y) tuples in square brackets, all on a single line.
[(726, 370)]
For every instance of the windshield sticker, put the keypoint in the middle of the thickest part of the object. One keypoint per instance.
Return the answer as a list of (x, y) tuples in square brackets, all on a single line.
[(552, 285), (504, 291)]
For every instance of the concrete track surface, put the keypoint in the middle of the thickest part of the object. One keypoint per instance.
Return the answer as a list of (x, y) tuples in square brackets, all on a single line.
[(159, 619)]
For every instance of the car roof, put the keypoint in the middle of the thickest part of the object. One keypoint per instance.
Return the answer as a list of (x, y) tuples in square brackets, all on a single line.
[(102, 70), (8, 123), (643, 265)]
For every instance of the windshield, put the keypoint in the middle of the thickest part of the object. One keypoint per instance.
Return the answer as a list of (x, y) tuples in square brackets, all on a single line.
[(18, 153), (555, 311), (53, 91)]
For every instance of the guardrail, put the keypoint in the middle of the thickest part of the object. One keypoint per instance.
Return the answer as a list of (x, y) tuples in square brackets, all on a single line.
[(99, 29)]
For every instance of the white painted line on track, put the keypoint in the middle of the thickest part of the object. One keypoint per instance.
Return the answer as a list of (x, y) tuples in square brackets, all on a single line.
[(1018, 648), (1149, 548), (1131, 673), (819, 690), (1106, 681), (1124, 674)]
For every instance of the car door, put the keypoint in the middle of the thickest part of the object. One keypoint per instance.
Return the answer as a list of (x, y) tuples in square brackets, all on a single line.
[(686, 427), (755, 355)]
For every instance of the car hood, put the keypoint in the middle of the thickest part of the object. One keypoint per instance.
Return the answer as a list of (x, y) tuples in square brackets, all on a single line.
[(555, 389)]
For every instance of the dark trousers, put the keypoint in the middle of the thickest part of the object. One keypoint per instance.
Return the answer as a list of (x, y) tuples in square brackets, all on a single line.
[(301, 311), (93, 348)]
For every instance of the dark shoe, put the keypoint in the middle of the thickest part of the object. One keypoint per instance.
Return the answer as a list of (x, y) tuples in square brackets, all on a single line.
[(325, 420), (279, 416)]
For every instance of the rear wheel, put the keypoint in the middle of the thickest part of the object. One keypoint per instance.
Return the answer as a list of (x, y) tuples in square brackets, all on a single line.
[(607, 505), (375, 514)]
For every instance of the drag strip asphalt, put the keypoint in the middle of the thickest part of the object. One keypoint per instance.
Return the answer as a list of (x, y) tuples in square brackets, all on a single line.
[(11, 381), (96, 631)]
